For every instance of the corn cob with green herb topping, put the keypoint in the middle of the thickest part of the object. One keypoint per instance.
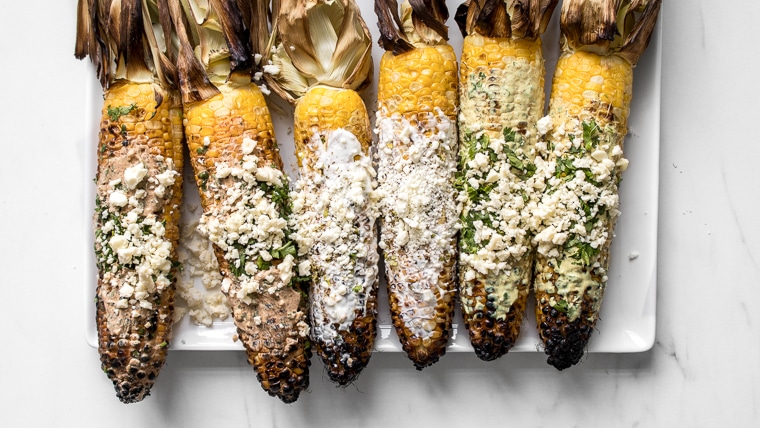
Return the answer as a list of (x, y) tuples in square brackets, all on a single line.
[(320, 56), (417, 161), (138, 192), (244, 193), (591, 92), (501, 100)]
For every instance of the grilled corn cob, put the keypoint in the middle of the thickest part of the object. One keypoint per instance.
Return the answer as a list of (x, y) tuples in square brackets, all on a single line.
[(138, 194), (585, 129), (501, 100), (417, 162), (321, 55), (244, 195)]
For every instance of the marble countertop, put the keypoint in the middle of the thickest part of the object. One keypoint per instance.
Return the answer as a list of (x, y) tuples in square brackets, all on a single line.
[(703, 370)]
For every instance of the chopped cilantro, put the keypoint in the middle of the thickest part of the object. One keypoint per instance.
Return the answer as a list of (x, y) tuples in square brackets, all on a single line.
[(561, 306), (114, 113), (590, 135), (582, 251)]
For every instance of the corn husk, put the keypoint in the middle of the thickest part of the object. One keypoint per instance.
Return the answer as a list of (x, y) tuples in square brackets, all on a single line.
[(622, 27), (421, 23), (317, 42), (517, 19), (124, 43)]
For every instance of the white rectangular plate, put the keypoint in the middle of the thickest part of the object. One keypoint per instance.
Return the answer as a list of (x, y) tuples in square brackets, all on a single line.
[(627, 322)]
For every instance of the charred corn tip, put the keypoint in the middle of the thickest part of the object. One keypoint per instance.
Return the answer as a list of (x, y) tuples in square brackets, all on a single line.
[(282, 378), (347, 357), (493, 325), (564, 340), (426, 352), (423, 327)]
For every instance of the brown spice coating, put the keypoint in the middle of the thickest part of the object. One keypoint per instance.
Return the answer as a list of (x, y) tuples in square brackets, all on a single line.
[(133, 342), (279, 355)]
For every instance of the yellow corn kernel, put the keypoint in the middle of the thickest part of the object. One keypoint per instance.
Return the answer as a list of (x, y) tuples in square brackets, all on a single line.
[(502, 83), (599, 85), (420, 80), (324, 109), (236, 113)]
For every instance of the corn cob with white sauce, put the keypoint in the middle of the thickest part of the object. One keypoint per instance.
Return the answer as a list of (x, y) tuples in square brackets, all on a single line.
[(417, 163), (501, 100), (321, 55), (590, 99), (244, 193), (138, 193)]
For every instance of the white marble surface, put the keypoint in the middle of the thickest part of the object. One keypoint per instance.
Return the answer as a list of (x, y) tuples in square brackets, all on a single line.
[(703, 371)]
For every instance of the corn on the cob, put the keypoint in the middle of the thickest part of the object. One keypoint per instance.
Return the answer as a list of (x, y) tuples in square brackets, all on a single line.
[(417, 162), (244, 194), (501, 100), (322, 55), (585, 129), (138, 194)]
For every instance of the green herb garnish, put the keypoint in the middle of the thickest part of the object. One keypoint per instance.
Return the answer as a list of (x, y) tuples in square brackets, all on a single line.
[(561, 306), (114, 113)]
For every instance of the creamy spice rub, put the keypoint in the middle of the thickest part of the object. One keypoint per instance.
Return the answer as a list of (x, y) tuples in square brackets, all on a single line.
[(501, 99), (136, 231), (583, 163)]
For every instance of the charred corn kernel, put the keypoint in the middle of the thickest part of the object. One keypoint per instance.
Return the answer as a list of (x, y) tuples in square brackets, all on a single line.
[(501, 101), (334, 215), (138, 194), (244, 193), (417, 162), (583, 153)]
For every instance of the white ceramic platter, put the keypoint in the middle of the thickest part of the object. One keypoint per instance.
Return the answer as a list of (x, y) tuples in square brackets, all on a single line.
[(627, 321)]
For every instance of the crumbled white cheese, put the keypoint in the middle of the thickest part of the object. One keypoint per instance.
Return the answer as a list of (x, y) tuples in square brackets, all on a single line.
[(271, 69), (118, 198), (129, 235), (134, 175), (207, 304), (544, 125), (415, 172), (334, 212)]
